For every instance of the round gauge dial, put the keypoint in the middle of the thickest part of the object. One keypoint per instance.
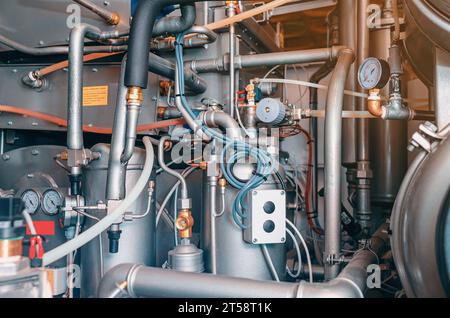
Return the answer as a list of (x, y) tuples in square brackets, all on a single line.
[(51, 202), (31, 200), (373, 73)]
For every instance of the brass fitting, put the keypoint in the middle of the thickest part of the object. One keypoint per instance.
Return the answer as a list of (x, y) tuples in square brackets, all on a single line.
[(203, 165), (135, 96), (222, 183), (184, 223), (160, 111), (63, 155), (374, 103), (115, 19)]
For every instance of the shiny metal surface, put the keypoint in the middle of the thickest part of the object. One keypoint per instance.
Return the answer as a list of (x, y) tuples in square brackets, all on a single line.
[(137, 242), (388, 138), (235, 257), (427, 26), (418, 225)]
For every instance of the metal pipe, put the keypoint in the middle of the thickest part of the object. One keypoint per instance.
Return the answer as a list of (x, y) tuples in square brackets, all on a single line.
[(112, 18), (321, 73), (115, 182), (267, 59), (212, 203), (75, 81), (223, 120), (144, 281), (176, 174), (132, 119), (363, 54), (163, 67), (347, 10), (333, 160), (57, 50), (363, 200), (231, 11)]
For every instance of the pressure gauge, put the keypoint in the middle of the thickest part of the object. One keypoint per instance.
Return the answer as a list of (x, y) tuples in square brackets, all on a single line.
[(31, 200), (51, 202), (373, 73)]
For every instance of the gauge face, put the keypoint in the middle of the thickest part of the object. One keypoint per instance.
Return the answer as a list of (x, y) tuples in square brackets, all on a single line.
[(51, 202), (31, 201), (373, 73)]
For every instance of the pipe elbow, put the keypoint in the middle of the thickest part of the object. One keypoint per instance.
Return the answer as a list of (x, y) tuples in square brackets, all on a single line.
[(224, 121), (336, 288), (114, 283), (374, 103)]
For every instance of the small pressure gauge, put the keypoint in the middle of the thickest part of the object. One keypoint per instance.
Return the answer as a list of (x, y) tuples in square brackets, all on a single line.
[(373, 73), (31, 200), (51, 202)]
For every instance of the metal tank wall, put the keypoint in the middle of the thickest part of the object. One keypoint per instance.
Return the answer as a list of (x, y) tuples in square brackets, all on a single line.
[(137, 241)]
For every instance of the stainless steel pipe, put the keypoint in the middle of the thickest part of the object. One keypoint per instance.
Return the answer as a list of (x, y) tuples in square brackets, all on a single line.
[(333, 163), (75, 103), (115, 183), (140, 281), (267, 59)]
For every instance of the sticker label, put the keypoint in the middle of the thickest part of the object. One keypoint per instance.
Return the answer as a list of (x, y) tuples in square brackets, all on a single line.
[(43, 228), (95, 95)]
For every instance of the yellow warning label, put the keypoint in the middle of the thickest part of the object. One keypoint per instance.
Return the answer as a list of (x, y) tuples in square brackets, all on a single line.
[(95, 95)]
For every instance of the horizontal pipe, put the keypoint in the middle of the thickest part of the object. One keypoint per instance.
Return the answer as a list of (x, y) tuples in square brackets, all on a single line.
[(57, 50), (140, 281), (163, 67), (266, 59)]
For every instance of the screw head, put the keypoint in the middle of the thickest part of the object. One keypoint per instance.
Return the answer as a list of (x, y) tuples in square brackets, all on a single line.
[(255, 240)]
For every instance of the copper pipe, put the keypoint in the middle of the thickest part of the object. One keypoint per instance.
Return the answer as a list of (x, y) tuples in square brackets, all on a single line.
[(61, 65), (98, 130), (374, 103)]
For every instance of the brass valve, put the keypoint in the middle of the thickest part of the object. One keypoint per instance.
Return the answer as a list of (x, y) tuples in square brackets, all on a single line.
[(203, 165), (135, 96), (184, 223)]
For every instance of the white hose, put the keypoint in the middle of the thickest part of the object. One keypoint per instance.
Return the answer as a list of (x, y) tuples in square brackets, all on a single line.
[(105, 223), (29, 221), (308, 257)]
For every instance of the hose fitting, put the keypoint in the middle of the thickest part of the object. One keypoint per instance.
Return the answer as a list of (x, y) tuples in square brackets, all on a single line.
[(135, 96)]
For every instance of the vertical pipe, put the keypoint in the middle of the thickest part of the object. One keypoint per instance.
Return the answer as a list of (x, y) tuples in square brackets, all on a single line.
[(212, 203), (363, 208), (333, 160), (347, 38), (388, 138), (231, 10), (115, 184)]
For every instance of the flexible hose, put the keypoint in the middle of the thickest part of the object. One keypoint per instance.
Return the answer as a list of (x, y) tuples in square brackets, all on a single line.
[(91, 129), (29, 222), (105, 223)]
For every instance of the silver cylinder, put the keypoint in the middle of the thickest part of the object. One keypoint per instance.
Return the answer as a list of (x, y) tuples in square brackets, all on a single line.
[(347, 37), (388, 138), (333, 151), (420, 241), (137, 241)]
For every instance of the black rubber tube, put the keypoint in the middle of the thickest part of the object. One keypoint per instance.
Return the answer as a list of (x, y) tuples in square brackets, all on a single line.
[(139, 41), (173, 25)]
